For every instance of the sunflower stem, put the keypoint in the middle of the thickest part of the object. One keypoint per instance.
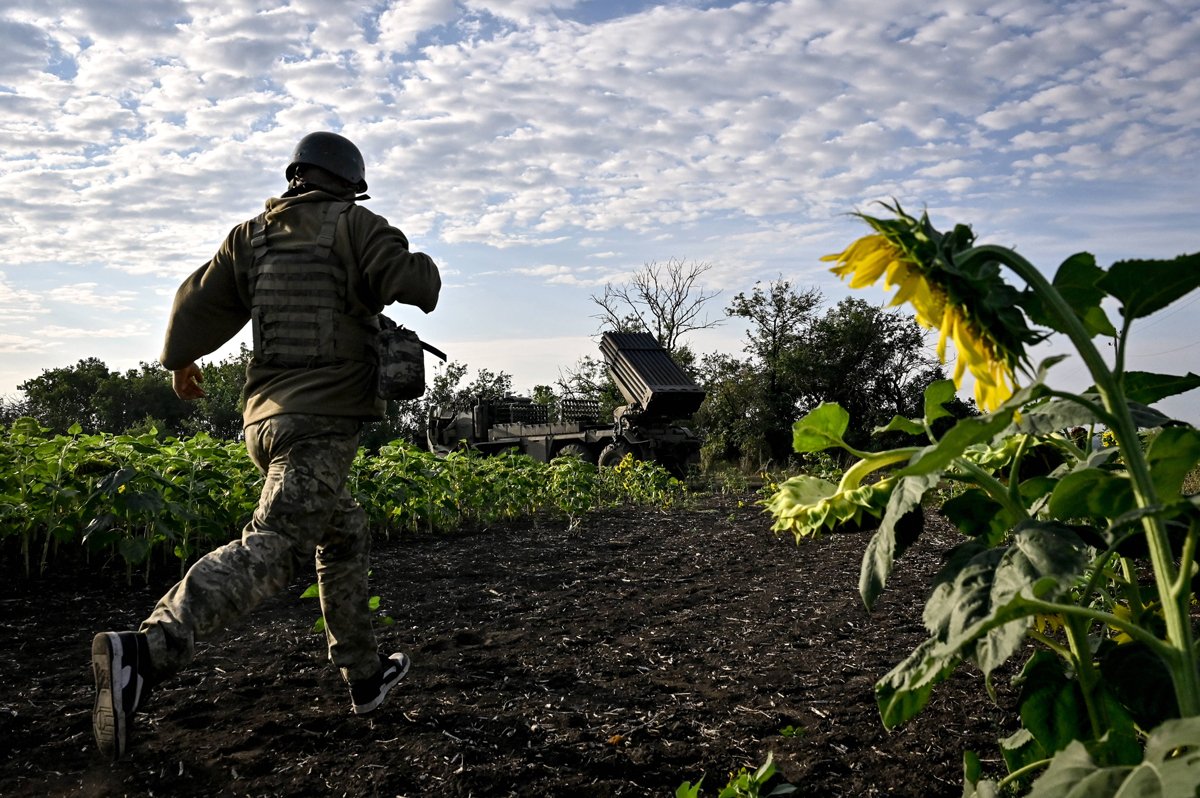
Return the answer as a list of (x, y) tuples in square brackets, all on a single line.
[(855, 474), (1179, 654), (1085, 672), (994, 488)]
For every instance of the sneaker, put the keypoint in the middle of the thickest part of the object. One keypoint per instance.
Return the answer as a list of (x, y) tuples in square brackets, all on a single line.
[(121, 666), (368, 694)]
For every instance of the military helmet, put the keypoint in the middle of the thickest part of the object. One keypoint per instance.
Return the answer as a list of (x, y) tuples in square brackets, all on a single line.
[(333, 153)]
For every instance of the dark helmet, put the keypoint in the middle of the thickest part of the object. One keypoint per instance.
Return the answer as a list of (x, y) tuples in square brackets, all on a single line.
[(333, 153)]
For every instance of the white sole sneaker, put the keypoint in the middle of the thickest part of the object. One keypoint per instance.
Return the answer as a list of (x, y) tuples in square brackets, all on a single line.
[(119, 686), (366, 697)]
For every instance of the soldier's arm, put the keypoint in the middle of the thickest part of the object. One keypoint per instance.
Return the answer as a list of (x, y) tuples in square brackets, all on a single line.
[(392, 272), (209, 308)]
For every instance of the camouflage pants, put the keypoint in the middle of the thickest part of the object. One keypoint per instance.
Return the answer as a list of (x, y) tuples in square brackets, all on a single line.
[(305, 508)]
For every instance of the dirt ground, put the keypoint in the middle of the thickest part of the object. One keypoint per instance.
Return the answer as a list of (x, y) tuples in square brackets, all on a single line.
[(622, 658)]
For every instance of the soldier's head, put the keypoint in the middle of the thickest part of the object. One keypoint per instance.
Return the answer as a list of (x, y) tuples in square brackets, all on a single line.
[(327, 161)]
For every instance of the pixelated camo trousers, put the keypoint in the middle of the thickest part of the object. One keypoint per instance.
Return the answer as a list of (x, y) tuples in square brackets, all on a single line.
[(305, 510)]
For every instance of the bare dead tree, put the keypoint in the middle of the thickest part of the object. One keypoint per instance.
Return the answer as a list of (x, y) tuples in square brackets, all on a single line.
[(665, 300)]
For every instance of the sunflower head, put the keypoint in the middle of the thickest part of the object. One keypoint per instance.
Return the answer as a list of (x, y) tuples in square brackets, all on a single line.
[(806, 505), (964, 299)]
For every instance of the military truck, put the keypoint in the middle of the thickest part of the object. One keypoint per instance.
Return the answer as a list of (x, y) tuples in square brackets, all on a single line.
[(659, 395)]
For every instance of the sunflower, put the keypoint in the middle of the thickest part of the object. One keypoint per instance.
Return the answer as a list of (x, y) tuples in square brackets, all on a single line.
[(967, 303), (805, 505)]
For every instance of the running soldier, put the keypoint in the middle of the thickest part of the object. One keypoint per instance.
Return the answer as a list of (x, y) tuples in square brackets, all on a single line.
[(311, 275)]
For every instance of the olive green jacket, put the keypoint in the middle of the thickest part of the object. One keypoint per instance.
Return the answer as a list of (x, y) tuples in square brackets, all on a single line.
[(213, 304)]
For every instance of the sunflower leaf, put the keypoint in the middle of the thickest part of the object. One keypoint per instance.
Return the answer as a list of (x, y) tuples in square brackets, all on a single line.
[(1163, 772), (902, 524), (821, 429), (1172, 456), (1147, 388), (901, 424), (1092, 492), (937, 395), (1146, 286), (968, 431), (1075, 281), (980, 609)]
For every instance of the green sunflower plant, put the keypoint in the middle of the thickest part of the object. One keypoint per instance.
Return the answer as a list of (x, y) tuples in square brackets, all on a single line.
[(1081, 576)]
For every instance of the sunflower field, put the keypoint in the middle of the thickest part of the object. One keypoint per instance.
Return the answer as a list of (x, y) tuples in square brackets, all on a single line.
[(140, 503)]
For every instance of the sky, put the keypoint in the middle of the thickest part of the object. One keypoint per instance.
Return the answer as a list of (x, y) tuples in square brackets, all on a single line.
[(540, 149)]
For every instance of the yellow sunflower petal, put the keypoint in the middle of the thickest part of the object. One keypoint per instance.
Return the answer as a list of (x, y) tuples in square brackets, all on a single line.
[(869, 269), (897, 272), (909, 285), (944, 327), (960, 365)]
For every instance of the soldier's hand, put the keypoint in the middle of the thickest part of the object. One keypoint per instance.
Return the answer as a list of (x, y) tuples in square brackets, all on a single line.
[(186, 382)]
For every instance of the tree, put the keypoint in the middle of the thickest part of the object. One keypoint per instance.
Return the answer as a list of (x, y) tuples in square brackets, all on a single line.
[(780, 317), (11, 409), (733, 420), (544, 395), (100, 400), (665, 300), (143, 398), (61, 397), (873, 362), (590, 380)]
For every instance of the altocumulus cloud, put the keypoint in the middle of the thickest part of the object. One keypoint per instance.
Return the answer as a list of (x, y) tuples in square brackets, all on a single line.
[(136, 133)]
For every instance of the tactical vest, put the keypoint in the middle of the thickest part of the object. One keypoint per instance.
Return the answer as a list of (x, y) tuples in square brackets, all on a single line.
[(298, 299)]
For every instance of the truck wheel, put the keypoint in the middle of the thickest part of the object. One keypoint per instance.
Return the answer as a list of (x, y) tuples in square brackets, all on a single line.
[(576, 450), (613, 454)]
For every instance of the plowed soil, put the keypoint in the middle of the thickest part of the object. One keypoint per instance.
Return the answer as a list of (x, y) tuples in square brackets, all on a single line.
[(621, 658)]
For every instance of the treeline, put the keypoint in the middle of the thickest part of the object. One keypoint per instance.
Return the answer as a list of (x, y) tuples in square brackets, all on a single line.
[(96, 399), (797, 354)]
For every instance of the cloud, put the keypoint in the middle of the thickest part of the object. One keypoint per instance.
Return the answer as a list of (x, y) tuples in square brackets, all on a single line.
[(128, 330), (402, 22), (13, 344), (584, 276), (134, 20), (18, 306), (87, 295), (520, 134), (512, 134)]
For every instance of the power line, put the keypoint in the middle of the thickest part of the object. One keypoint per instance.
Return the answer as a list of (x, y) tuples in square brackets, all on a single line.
[(1165, 316), (1169, 351)]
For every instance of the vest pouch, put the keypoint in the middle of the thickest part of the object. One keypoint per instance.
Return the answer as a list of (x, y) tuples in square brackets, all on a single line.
[(401, 361)]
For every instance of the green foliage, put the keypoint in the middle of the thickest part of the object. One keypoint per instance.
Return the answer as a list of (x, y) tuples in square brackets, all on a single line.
[(1170, 767), (120, 494), (97, 399), (100, 400), (313, 591), (142, 500), (870, 361), (1090, 556), (743, 784)]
